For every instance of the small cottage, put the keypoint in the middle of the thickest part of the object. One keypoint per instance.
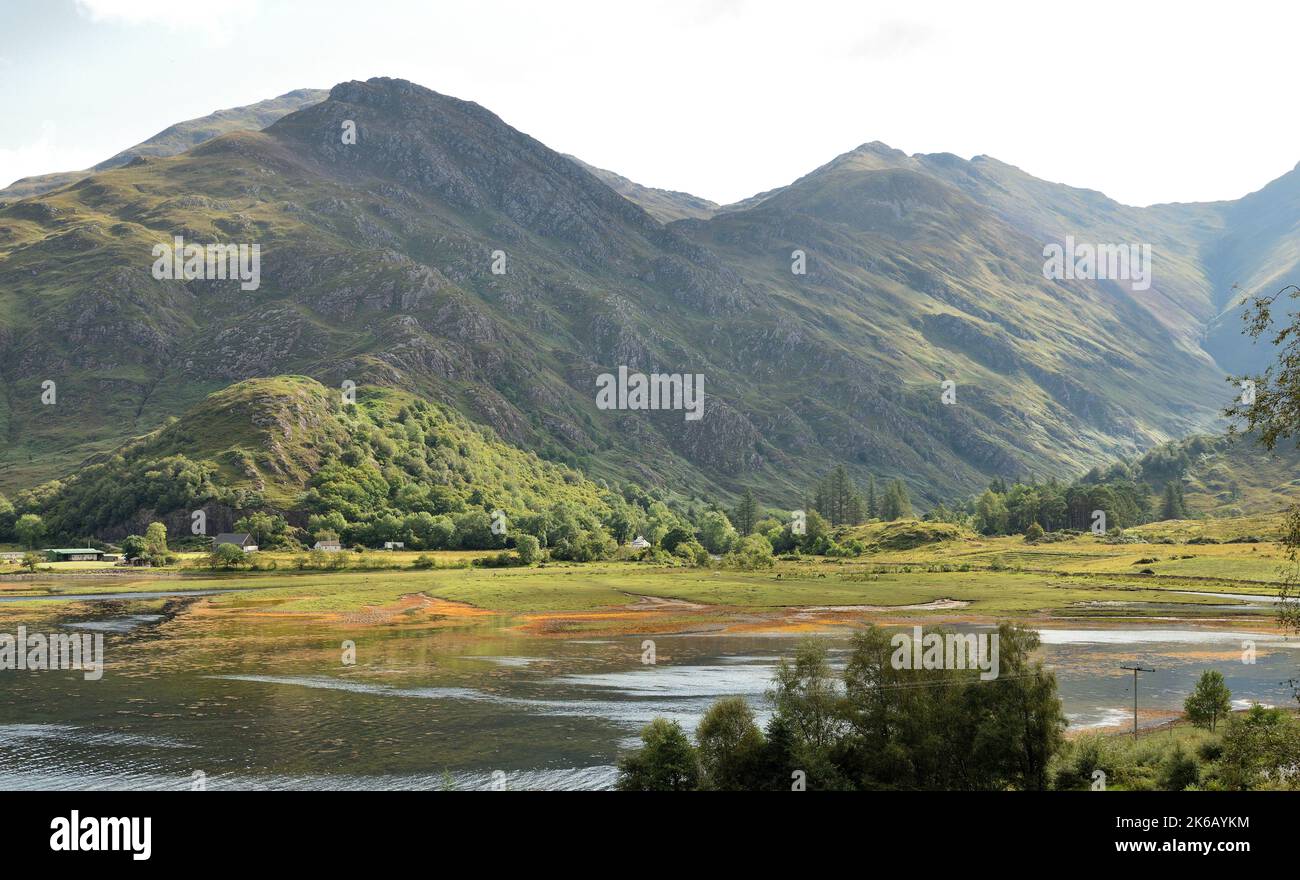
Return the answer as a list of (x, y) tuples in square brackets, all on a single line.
[(331, 546), (242, 540), (640, 543)]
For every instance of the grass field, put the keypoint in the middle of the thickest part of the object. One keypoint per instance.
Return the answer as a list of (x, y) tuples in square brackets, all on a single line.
[(985, 577)]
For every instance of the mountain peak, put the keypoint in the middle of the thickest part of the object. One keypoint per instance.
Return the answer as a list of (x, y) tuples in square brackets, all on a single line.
[(877, 148)]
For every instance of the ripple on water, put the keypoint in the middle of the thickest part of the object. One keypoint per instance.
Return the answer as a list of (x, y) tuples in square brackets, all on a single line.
[(1050, 636)]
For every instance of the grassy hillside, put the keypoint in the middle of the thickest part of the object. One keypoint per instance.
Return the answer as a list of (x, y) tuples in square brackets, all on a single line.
[(1220, 476), (290, 444), (376, 262)]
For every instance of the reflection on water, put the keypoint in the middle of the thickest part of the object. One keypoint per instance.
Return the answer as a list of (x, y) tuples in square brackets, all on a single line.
[(271, 706)]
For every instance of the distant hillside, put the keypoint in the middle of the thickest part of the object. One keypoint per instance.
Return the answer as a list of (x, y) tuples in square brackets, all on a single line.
[(289, 443), (176, 139), (1220, 476)]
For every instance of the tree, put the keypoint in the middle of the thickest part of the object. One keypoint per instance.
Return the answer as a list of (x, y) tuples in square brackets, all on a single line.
[(29, 529), (676, 535), (804, 694), (873, 503), (751, 553), (1272, 412), (226, 556), (1210, 701), (745, 514), (6, 517), (134, 547), (991, 514), (666, 761), (836, 498), (31, 561), (816, 531), (896, 503), (693, 552), (730, 746), (528, 548), (266, 530), (474, 531), (1017, 718), (716, 532), (1173, 506), (155, 539)]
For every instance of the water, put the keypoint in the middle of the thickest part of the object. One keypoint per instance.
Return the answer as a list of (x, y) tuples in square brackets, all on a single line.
[(114, 597), (270, 705)]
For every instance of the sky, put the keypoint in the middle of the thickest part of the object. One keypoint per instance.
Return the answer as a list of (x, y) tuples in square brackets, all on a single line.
[(1145, 101)]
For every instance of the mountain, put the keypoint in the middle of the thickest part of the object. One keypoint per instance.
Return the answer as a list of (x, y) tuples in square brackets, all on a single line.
[(664, 205), (377, 268), (1258, 254), (175, 139)]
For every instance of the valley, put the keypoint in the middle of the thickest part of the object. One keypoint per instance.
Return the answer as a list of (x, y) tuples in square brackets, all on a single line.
[(461, 673), (422, 324)]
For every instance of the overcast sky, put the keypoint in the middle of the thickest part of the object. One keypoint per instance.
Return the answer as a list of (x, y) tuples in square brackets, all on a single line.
[(1145, 101)]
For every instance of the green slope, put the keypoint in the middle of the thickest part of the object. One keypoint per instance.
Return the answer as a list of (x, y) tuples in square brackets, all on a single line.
[(376, 268), (289, 443)]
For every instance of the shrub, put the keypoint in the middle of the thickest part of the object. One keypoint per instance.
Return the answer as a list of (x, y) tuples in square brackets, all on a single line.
[(528, 548), (752, 553), (1178, 770), (665, 762)]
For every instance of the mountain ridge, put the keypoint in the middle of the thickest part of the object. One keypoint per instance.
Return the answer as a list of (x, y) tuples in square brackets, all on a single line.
[(174, 139), (377, 268)]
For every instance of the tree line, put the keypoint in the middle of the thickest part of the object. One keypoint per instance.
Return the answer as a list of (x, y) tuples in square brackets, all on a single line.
[(874, 727)]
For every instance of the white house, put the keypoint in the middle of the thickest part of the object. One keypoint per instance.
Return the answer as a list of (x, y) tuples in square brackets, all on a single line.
[(394, 545), (242, 540), (639, 543), (332, 546)]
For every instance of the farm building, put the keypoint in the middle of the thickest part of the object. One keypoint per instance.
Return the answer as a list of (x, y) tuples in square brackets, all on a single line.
[(75, 554)]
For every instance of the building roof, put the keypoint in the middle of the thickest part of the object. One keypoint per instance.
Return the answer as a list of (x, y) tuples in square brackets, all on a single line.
[(233, 538), (73, 550)]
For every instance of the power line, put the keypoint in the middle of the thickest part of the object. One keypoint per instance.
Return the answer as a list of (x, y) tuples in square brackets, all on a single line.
[(1136, 670)]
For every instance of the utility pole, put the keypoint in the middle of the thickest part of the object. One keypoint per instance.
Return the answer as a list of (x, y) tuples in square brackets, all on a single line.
[(1136, 670)]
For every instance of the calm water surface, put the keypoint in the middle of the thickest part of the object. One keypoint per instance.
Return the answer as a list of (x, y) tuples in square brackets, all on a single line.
[(272, 706)]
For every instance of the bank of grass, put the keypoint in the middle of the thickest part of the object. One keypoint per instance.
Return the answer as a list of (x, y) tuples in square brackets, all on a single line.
[(1255, 565), (603, 585), (997, 577)]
